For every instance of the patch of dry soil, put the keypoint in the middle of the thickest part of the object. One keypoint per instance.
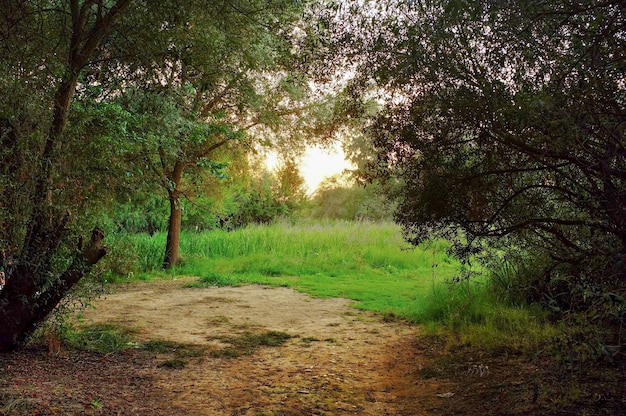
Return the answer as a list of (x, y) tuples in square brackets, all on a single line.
[(339, 361)]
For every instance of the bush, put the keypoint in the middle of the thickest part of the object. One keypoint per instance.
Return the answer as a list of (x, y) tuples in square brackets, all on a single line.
[(337, 198), (592, 309)]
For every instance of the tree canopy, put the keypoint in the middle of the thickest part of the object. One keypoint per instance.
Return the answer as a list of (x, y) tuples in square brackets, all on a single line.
[(504, 123), (90, 88)]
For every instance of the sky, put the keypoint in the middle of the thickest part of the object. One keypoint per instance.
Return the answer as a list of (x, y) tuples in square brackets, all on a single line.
[(317, 164)]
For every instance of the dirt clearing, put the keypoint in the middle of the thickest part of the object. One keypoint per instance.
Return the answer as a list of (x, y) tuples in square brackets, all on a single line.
[(331, 359), (331, 365)]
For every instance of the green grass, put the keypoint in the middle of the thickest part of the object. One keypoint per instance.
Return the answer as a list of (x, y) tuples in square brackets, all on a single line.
[(101, 338), (367, 262)]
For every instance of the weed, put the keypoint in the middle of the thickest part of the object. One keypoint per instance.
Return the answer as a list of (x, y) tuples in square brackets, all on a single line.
[(96, 404), (14, 406), (101, 338)]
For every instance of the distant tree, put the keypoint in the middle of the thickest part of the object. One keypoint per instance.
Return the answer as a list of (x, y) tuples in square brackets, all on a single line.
[(342, 197), (291, 183), (257, 201)]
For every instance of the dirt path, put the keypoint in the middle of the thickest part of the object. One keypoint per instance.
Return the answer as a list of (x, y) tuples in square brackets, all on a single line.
[(339, 361)]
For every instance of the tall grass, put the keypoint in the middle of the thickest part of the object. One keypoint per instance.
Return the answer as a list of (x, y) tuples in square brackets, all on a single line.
[(367, 262)]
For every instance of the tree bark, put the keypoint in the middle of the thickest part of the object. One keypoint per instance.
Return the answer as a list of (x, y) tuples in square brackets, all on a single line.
[(172, 256), (172, 246), (24, 303)]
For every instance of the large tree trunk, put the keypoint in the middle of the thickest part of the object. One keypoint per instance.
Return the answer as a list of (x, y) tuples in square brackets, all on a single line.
[(26, 300), (172, 257)]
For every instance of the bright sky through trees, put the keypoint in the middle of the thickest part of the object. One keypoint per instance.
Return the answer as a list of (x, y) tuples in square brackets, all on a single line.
[(316, 164)]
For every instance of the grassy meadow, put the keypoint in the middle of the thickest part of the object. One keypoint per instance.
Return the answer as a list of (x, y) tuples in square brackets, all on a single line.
[(368, 262)]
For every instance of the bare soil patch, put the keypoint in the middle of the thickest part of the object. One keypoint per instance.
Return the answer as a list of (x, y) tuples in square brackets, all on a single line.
[(338, 361), (330, 365)]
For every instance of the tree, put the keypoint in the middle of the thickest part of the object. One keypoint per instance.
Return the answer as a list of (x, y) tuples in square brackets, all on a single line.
[(66, 138), (342, 197), (291, 183), (505, 120), (45, 50), (225, 81), (257, 202), (172, 143)]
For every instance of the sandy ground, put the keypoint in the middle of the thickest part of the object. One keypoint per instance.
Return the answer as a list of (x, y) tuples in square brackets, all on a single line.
[(339, 361)]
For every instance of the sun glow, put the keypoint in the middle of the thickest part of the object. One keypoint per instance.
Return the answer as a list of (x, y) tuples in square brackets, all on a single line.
[(316, 164)]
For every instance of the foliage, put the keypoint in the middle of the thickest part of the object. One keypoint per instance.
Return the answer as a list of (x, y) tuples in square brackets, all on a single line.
[(256, 204), (241, 199), (503, 122), (142, 214), (264, 198), (291, 184), (340, 198)]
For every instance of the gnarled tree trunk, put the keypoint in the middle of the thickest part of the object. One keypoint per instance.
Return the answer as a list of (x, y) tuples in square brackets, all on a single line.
[(31, 292), (172, 256), (27, 298)]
